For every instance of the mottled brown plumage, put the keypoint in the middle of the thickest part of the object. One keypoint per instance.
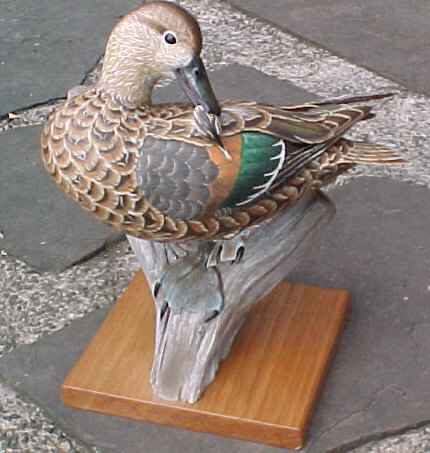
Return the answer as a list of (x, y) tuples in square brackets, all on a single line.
[(152, 171)]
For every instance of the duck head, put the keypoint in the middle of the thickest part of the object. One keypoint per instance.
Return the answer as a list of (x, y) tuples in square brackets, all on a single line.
[(156, 40)]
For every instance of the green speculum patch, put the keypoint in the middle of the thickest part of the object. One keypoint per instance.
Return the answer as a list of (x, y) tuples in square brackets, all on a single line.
[(260, 158)]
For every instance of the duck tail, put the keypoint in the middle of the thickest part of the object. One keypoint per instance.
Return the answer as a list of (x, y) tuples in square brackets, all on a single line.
[(371, 153), (354, 99)]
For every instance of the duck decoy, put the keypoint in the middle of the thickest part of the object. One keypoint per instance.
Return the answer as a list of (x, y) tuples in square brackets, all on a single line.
[(207, 170)]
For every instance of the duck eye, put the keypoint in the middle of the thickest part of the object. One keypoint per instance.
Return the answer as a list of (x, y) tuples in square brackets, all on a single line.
[(170, 38)]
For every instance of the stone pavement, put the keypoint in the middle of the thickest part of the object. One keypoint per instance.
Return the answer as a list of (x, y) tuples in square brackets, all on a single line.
[(389, 37), (377, 246)]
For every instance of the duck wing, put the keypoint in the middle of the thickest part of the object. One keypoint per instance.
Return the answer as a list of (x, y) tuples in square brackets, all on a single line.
[(268, 145)]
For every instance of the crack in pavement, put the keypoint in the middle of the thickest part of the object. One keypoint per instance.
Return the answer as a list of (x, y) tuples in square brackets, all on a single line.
[(351, 446), (374, 436), (391, 440), (347, 417)]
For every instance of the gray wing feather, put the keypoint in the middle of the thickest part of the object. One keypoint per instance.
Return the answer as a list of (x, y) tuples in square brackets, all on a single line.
[(174, 177)]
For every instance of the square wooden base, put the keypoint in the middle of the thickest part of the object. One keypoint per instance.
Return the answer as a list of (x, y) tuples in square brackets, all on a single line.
[(265, 391)]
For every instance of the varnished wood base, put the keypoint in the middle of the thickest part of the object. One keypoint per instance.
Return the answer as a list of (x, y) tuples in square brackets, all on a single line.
[(265, 391)]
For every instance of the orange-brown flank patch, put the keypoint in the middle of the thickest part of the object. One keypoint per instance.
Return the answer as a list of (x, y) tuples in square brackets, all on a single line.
[(228, 170)]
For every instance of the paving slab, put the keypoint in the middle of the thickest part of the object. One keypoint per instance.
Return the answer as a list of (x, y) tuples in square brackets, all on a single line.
[(242, 83), (391, 37), (47, 46), (376, 247), (42, 226)]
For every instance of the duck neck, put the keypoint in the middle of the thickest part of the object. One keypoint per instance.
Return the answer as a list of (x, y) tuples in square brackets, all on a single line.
[(127, 84)]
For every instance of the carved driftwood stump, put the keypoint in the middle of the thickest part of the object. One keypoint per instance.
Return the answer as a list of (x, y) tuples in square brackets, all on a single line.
[(189, 343)]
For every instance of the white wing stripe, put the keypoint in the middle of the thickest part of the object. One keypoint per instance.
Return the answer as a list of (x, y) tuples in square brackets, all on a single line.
[(273, 174)]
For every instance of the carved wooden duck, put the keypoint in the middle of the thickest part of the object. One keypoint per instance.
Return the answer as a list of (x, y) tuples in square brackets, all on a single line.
[(177, 172)]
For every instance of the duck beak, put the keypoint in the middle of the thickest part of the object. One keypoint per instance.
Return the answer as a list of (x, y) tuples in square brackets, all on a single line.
[(195, 83)]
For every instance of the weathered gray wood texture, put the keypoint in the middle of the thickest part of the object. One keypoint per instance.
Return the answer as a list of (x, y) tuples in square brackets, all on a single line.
[(188, 347)]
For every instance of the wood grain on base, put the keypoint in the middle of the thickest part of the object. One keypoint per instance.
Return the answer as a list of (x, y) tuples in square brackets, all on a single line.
[(266, 389)]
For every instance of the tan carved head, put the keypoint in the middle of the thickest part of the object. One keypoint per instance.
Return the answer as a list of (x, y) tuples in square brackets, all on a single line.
[(147, 43)]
